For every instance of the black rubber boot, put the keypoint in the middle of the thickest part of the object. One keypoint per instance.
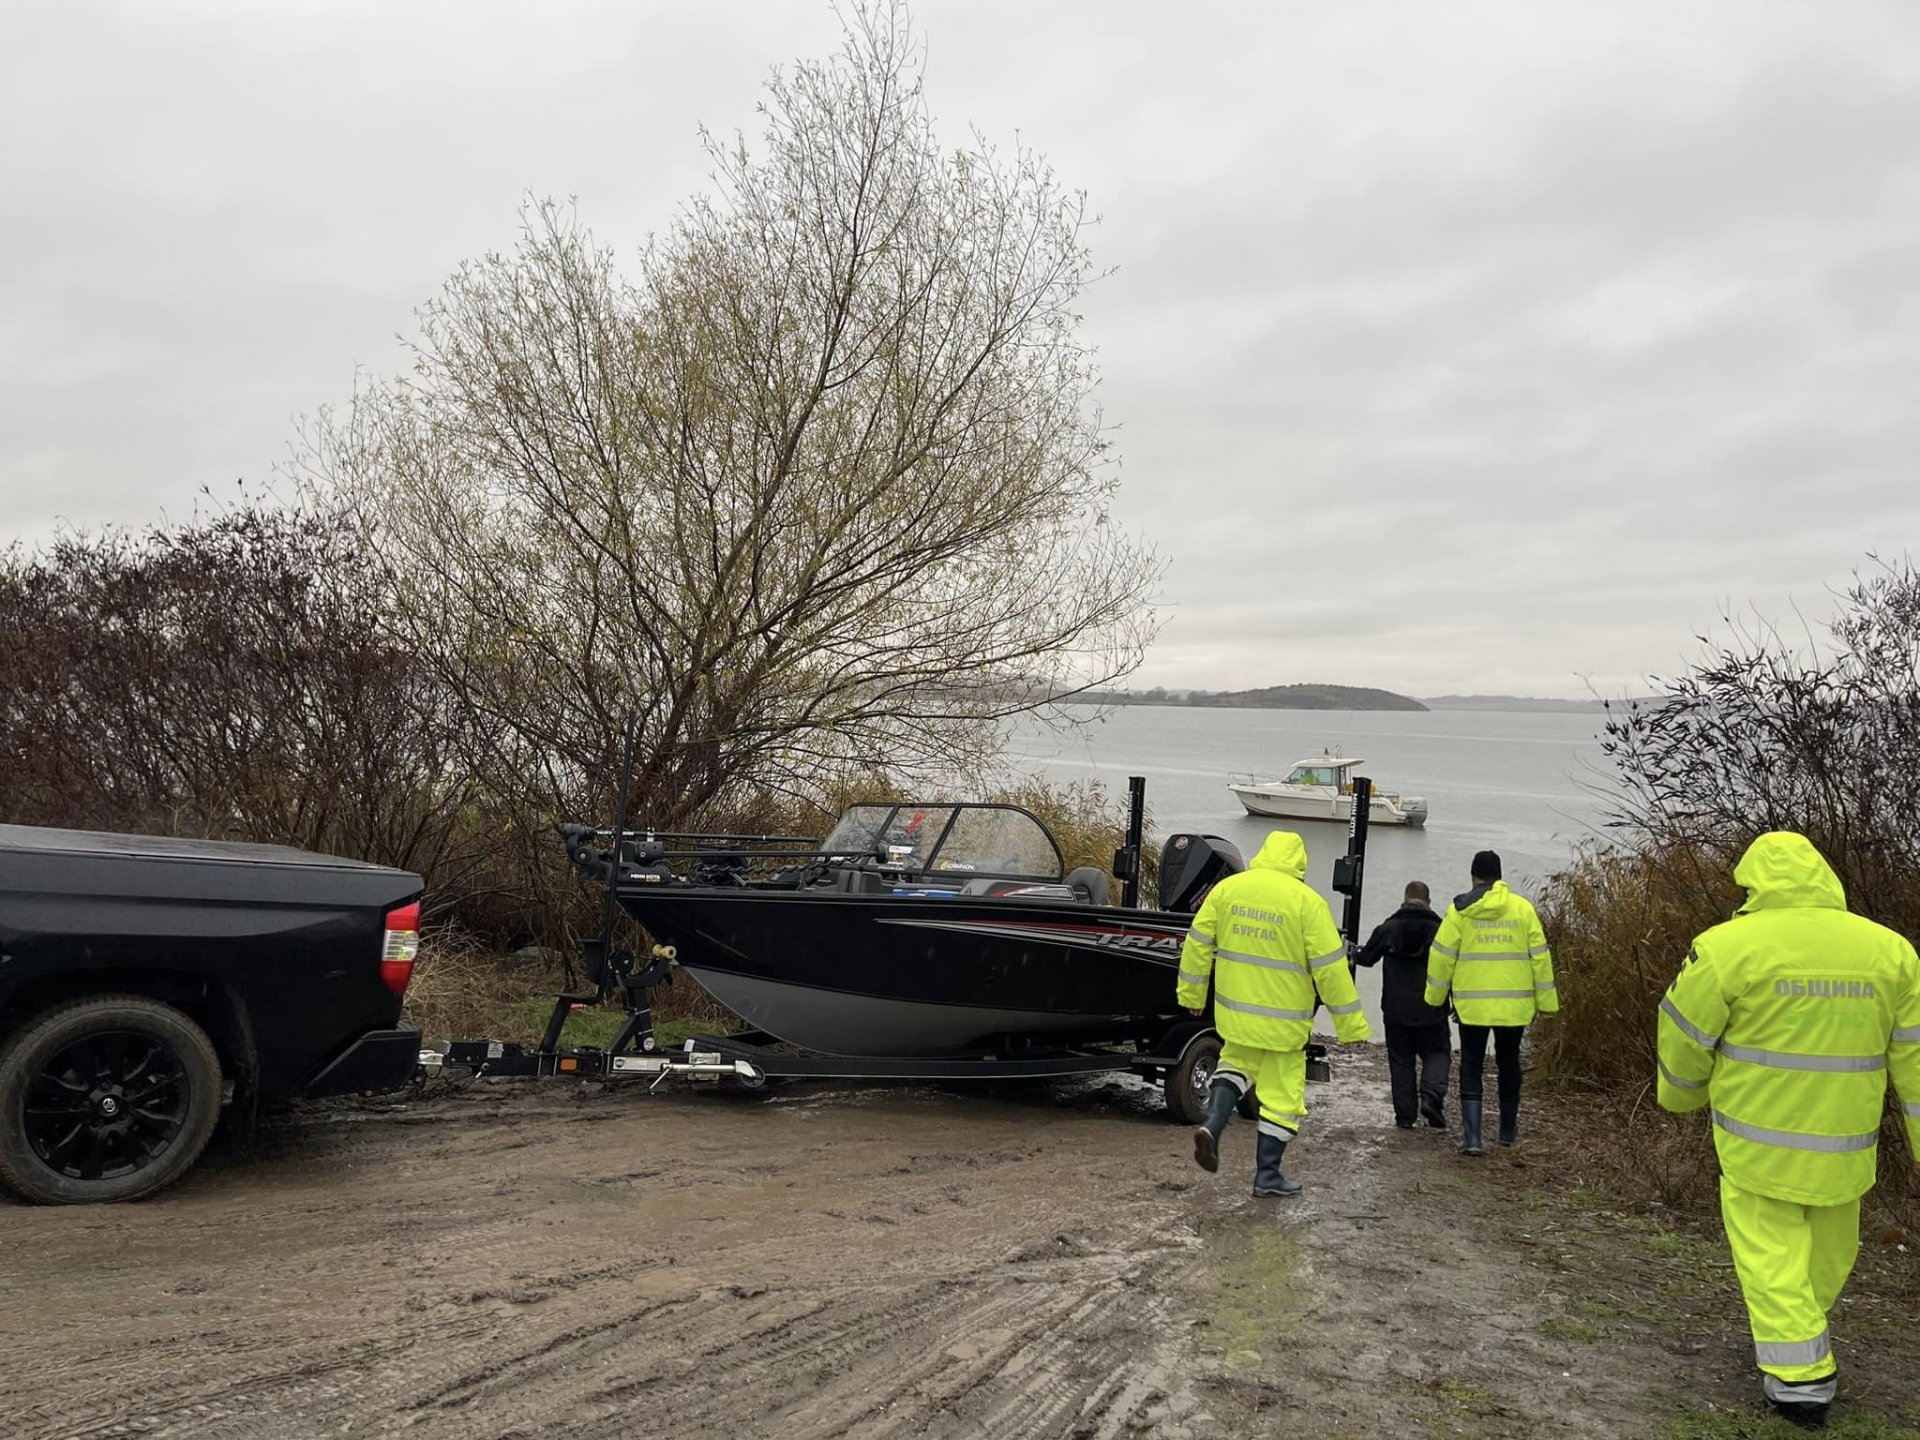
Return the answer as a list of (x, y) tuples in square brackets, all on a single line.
[(1267, 1179), (1206, 1135), (1509, 1101), (1432, 1112), (1470, 1127), (1807, 1417), (1805, 1404)]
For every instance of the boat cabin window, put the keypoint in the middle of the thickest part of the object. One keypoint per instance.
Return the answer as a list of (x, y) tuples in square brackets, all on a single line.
[(1313, 775), (988, 840)]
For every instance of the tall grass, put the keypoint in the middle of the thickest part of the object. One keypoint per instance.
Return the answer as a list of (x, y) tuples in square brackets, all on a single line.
[(1762, 733)]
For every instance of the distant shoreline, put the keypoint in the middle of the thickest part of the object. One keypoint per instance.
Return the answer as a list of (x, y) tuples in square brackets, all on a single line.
[(1333, 697)]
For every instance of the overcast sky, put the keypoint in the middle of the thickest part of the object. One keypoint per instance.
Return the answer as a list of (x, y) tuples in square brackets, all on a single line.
[(1452, 347)]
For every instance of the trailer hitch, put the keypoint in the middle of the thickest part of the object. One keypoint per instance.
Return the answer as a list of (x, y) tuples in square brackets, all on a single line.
[(494, 1058)]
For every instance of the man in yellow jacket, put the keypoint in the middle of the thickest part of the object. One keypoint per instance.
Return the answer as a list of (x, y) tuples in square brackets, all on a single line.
[(1786, 1022), (1492, 955), (1267, 942)]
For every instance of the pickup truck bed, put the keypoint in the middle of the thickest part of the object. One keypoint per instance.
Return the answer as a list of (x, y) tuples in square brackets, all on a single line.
[(131, 964)]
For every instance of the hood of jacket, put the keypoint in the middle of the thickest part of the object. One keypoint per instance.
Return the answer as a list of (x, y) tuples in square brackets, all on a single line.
[(1283, 851), (1782, 870), (1487, 901)]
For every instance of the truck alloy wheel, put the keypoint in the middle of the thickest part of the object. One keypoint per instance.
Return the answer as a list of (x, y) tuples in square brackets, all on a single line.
[(107, 1098)]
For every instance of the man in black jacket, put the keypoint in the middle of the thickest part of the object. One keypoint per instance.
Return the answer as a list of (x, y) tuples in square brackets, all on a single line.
[(1413, 1026)]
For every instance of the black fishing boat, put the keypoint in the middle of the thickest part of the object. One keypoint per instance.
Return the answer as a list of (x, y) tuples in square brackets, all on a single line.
[(916, 930), (932, 941)]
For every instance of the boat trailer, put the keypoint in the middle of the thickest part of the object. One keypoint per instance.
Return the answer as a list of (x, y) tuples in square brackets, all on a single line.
[(1181, 1058)]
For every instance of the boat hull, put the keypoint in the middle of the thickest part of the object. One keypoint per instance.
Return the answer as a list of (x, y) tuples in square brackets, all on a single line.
[(898, 977), (1258, 800)]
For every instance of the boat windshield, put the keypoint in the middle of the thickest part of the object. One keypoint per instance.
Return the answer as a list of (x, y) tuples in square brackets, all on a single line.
[(994, 840), (1312, 775), (977, 839), (893, 832)]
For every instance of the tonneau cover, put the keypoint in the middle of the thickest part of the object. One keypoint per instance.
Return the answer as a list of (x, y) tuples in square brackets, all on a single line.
[(39, 840)]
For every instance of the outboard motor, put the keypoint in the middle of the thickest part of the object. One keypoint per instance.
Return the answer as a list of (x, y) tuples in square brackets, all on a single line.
[(1189, 866)]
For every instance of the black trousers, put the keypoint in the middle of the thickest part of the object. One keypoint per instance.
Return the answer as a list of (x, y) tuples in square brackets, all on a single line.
[(1433, 1047), (1506, 1055)]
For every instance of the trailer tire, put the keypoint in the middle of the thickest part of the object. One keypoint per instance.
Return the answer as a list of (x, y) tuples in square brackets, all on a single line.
[(1190, 1077), (138, 1121)]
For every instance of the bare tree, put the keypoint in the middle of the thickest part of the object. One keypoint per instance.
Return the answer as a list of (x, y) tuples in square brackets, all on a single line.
[(821, 486), (1764, 734)]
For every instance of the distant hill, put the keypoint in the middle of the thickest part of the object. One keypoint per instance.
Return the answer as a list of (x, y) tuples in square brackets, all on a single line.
[(1274, 697), (1306, 697)]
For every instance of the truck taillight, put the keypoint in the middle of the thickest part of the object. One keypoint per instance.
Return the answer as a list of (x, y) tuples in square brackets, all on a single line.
[(403, 944)]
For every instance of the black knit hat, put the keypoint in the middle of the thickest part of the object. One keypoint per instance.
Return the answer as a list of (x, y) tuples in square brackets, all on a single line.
[(1486, 866)]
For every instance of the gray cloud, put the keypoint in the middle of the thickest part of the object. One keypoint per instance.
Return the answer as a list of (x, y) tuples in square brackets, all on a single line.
[(1478, 346)]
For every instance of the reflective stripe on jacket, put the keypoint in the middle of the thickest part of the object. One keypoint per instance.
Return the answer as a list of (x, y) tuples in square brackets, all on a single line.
[(1269, 944), (1785, 1022), (1492, 955)]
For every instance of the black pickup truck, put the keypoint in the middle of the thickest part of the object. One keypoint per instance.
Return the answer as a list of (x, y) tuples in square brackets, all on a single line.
[(146, 984)]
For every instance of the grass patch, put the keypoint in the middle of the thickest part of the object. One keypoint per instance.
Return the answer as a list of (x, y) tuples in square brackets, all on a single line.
[(1463, 1398), (1671, 1242), (597, 1025), (585, 1025), (464, 992), (1258, 1298)]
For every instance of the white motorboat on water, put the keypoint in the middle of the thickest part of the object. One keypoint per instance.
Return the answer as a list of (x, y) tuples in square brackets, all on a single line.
[(1322, 789)]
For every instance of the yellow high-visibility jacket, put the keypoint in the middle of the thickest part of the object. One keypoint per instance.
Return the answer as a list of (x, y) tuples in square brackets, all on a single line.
[(1270, 945), (1493, 955), (1786, 1021)]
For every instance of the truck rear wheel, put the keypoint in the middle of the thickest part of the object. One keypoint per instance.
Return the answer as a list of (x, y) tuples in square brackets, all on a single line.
[(107, 1098)]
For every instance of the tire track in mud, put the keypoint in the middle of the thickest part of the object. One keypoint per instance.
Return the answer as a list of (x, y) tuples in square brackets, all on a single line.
[(491, 1294)]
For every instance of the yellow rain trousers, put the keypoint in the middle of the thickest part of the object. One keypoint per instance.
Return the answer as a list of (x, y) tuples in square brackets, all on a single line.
[(1279, 1080), (1266, 942), (1786, 1023), (1792, 1260)]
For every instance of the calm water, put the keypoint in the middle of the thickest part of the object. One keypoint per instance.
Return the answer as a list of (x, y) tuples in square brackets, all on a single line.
[(1524, 785)]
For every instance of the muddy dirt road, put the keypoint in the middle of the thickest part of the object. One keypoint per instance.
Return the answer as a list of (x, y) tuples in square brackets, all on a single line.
[(519, 1259)]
